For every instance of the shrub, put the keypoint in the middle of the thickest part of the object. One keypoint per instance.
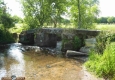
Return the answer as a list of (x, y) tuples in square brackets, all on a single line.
[(77, 43), (103, 65), (102, 39), (6, 37)]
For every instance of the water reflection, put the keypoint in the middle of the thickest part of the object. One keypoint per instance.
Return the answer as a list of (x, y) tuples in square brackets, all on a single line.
[(2, 69), (13, 62), (1, 60), (15, 53)]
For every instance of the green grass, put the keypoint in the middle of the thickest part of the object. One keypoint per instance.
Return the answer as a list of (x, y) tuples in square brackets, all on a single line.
[(110, 27), (103, 65)]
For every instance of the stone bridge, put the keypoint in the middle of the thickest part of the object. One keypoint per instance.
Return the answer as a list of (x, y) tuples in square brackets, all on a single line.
[(48, 37)]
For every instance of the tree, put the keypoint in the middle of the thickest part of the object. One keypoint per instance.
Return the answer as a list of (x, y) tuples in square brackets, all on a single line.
[(111, 20), (6, 22), (17, 19), (84, 12), (102, 20), (38, 12), (58, 8), (5, 17)]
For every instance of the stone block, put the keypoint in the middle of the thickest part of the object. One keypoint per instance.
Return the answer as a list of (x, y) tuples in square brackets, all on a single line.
[(46, 40)]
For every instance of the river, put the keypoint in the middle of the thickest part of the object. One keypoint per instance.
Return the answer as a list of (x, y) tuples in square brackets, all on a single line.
[(37, 65)]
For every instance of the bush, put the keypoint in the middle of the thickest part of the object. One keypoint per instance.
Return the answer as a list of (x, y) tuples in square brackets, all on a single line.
[(6, 37), (77, 43), (103, 65), (102, 39)]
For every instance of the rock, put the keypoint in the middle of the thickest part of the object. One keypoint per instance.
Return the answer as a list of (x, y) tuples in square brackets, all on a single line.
[(48, 66), (71, 53), (90, 42), (85, 49)]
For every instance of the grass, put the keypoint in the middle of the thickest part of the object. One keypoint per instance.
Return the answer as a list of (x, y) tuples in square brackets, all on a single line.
[(103, 65), (110, 27)]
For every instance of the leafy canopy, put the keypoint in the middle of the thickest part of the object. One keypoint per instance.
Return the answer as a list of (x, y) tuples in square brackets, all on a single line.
[(83, 12), (38, 12)]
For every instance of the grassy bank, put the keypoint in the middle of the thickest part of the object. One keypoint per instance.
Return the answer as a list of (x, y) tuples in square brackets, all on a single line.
[(103, 65)]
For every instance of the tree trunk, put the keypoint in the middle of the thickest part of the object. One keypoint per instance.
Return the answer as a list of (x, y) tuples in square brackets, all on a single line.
[(55, 23), (79, 17)]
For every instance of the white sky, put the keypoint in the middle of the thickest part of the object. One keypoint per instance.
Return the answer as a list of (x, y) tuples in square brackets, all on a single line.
[(15, 7), (107, 7)]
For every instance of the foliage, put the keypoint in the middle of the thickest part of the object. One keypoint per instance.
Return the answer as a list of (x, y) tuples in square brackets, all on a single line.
[(105, 20), (111, 20), (17, 19), (105, 37), (38, 12), (6, 37), (6, 22), (77, 42), (84, 12), (5, 17), (101, 42), (18, 28), (102, 20), (64, 40), (103, 65)]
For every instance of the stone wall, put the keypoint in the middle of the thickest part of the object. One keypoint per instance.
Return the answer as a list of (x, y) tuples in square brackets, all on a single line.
[(69, 35), (48, 37), (45, 40)]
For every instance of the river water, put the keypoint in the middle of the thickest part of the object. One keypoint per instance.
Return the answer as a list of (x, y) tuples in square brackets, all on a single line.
[(37, 65)]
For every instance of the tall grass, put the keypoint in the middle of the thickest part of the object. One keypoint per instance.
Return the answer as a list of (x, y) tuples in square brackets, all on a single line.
[(103, 65)]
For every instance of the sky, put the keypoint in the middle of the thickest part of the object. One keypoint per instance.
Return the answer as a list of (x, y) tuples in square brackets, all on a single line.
[(14, 7), (107, 8)]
